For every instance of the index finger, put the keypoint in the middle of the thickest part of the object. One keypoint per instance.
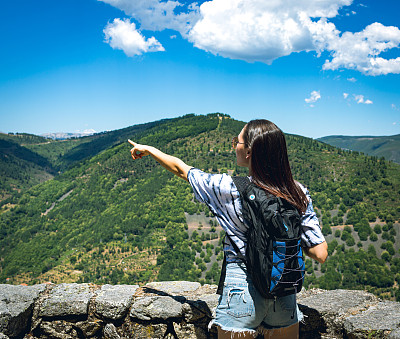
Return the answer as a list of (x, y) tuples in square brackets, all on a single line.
[(131, 142)]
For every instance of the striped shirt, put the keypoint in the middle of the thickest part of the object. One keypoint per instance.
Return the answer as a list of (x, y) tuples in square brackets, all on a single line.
[(220, 194)]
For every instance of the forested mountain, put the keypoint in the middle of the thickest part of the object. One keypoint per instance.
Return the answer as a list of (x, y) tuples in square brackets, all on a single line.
[(26, 159), (385, 146), (105, 218), (20, 168)]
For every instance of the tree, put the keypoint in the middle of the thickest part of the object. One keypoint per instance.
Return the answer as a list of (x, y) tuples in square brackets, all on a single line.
[(350, 241), (377, 229), (373, 236), (386, 256)]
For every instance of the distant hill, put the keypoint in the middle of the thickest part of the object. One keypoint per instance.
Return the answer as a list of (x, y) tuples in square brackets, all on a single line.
[(385, 146), (21, 168), (63, 136), (28, 159)]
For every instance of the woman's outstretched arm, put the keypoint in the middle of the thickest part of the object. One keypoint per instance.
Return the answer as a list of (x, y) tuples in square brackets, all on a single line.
[(171, 163)]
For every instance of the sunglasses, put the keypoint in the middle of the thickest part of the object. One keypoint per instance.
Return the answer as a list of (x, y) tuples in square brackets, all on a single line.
[(235, 142)]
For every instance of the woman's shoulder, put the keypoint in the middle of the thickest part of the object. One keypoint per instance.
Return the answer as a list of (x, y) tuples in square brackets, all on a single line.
[(218, 176), (210, 179), (303, 188)]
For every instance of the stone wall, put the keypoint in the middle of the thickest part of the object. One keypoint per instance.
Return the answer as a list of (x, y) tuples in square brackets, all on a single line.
[(174, 310)]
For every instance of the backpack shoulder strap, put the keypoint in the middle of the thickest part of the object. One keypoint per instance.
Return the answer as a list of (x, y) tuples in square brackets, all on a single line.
[(241, 183), (222, 277)]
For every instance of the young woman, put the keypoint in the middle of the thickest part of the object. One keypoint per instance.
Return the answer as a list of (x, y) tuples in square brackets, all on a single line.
[(261, 147)]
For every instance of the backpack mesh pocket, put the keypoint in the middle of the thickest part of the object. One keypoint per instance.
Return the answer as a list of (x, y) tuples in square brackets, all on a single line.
[(287, 268)]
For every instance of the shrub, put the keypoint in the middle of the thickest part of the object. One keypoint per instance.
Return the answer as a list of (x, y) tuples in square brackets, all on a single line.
[(326, 229), (386, 256), (363, 236), (350, 241), (373, 237)]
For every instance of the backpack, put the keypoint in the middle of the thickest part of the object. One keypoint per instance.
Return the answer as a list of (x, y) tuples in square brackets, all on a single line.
[(274, 258)]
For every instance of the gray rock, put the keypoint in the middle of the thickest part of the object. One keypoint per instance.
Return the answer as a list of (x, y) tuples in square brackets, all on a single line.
[(113, 301), (175, 310), (190, 331), (150, 331), (325, 311), (89, 328), (377, 321), (58, 329), (16, 305), (174, 287), (202, 307), (338, 301), (110, 332), (157, 307), (395, 334), (211, 301), (67, 300)]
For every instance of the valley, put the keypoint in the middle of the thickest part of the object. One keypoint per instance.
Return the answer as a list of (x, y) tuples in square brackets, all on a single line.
[(103, 218)]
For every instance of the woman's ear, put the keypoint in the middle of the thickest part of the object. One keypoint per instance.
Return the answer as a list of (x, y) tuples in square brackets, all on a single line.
[(248, 153)]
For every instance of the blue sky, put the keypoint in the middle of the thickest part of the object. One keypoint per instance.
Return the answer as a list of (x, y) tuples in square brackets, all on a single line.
[(315, 68)]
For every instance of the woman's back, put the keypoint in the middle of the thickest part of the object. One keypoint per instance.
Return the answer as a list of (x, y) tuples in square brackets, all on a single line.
[(242, 311)]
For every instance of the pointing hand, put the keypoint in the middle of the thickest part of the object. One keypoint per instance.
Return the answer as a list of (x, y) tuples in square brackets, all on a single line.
[(138, 151)]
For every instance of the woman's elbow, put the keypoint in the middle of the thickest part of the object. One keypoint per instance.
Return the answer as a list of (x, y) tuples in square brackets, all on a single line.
[(321, 259), (322, 252), (318, 252)]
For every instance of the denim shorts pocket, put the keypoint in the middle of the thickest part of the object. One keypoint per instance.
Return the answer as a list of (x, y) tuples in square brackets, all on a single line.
[(288, 303), (238, 301)]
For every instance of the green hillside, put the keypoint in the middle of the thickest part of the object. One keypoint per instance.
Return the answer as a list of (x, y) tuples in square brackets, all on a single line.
[(108, 219), (64, 153), (20, 168), (386, 146), (26, 159)]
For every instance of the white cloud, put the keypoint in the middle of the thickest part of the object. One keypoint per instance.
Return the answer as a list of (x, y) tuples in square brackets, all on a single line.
[(122, 34), (158, 15), (259, 30), (361, 50), (360, 100), (395, 107), (315, 96), (352, 79)]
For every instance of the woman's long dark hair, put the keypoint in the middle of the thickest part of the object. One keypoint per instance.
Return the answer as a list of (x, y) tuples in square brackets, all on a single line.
[(270, 164)]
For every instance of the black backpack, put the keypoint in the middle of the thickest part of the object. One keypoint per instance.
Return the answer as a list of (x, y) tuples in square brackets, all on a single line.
[(274, 258)]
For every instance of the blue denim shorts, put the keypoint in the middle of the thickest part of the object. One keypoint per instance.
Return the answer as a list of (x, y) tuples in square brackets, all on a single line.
[(242, 308)]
